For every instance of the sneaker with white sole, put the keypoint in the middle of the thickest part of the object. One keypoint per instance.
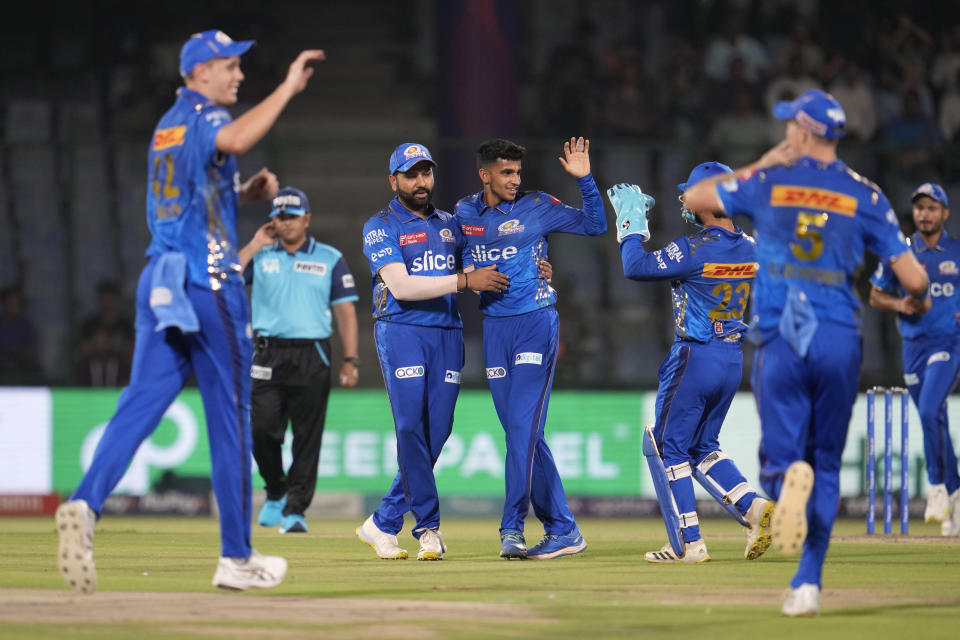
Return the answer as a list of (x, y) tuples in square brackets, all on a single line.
[(938, 504), (432, 546), (256, 572), (758, 518), (952, 525), (552, 546), (788, 526), (512, 545), (693, 552), (802, 601), (293, 523), (272, 512), (385, 544), (75, 522)]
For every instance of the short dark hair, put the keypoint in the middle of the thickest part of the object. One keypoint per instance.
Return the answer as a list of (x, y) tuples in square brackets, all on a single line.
[(491, 150)]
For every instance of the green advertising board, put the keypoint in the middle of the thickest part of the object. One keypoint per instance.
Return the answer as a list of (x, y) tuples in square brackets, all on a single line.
[(594, 438)]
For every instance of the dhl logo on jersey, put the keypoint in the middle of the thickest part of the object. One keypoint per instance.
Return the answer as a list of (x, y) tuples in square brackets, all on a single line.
[(737, 270), (784, 196), (166, 138)]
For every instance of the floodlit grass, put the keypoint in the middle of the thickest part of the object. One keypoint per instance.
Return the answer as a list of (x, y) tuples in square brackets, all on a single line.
[(873, 588)]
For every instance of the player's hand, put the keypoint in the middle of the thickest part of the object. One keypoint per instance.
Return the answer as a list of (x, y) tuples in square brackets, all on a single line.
[(487, 279), (263, 185), (349, 375), (783, 154), (957, 316), (911, 306), (299, 72), (265, 235), (576, 157), (545, 269), (631, 205)]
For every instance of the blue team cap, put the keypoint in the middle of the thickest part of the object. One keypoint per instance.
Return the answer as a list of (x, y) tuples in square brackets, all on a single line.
[(407, 155), (816, 111), (931, 190), (290, 200), (702, 172), (210, 44)]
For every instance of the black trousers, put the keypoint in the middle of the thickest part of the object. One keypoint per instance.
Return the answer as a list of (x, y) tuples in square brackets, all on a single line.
[(291, 382)]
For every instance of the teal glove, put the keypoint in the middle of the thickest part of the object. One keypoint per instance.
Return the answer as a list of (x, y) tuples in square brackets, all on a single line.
[(631, 205)]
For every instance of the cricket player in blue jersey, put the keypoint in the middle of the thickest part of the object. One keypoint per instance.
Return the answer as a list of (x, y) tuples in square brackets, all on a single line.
[(931, 346), (300, 285), (507, 228), (813, 218), (192, 314), (710, 273), (415, 255)]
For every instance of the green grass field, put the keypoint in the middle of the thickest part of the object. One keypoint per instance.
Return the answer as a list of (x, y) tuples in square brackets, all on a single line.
[(154, 582)]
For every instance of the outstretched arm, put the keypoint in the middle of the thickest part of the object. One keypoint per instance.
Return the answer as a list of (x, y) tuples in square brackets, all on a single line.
[(239, 136)]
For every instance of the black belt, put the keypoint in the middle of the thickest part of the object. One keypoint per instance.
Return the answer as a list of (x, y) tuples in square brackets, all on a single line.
[(262, 342)]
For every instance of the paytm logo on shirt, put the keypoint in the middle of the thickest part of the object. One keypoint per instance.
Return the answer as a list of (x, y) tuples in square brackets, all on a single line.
[(431, 261)]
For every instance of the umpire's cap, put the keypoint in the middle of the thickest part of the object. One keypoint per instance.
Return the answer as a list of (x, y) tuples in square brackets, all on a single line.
[(290, 200), (205, 45), (816, 111), (702, 172)]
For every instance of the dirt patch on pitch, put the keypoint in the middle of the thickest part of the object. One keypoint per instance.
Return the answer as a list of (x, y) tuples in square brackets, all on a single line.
[(38, 605), (829, 598)]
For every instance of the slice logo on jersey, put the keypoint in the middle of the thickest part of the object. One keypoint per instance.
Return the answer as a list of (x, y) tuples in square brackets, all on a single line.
[(496, 372), (938, 289), (528, 357), (939, 356), (409, 372), (787, 196), (166, 138), (447, 236), (473, 229), (510, 227), (376, 255), (413, 238), (948, 268), (258, 372), (452, 377), (316, 268), (270, 265), (347, 281), (480, 253), (431, 261), (737, 270), (374, 237)]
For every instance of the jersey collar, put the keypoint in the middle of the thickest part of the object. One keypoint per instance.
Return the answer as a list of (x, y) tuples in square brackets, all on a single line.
[(306, 247), (483, 207), (404, 215), (195, 97), (920, 246)]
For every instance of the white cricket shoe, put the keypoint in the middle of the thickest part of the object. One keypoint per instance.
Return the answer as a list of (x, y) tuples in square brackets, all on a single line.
[(255, 572), (75, 521), (788, 526), (758, 532), (385, 544), (951, 527), (938, 505), (695, 551), (802, 601), (432, 546)]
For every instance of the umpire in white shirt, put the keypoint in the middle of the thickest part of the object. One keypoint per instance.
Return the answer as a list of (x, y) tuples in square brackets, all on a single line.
[(299, 285)]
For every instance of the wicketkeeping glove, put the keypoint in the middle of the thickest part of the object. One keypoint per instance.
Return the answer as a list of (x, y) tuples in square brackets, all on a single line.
[(631, 205)]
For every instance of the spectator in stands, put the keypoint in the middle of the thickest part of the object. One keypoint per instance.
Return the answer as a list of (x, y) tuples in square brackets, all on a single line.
[(853, 94), (18, 340), (793, 77), (946, 65), (733, 43), (801, 46), (912, 138), (106, 341), (738, 136), (950, 112), (628, 110)]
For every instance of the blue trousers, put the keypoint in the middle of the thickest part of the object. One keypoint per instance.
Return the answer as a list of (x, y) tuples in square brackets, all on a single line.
[(931, 367), (805, 406), (697, 385), (421, 368), (220, 354), (520, 353)]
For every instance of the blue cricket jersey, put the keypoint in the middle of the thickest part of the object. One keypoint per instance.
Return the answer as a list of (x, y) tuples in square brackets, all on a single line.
[(513, 236), (711, 273), (192, 191), (812, 221), (293, 292), (431, 247), (942, 264)]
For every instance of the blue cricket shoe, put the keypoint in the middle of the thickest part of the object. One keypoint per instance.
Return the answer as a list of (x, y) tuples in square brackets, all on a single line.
[(272, 512), (513, 546), (557, 546), (293, 523)]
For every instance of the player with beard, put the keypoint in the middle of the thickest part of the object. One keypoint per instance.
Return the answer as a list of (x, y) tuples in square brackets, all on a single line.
[(415, 254), (931, 346)]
